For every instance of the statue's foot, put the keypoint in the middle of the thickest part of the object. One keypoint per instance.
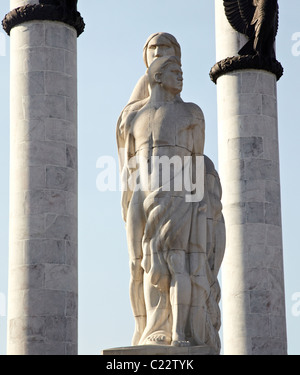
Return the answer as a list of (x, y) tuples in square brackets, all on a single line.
[(158, 339)]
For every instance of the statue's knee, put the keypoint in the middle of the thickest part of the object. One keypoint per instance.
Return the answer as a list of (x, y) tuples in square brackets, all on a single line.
[(160, 280), (136, 269), (176, 262)]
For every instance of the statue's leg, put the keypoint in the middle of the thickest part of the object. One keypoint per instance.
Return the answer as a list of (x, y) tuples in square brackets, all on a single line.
[(135, 230), (136, 293), (180, 295)]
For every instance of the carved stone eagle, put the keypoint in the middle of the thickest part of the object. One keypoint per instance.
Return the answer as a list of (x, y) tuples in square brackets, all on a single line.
[(258, 19)]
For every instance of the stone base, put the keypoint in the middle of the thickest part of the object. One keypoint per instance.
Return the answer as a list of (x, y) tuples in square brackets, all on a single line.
[(160, 350)]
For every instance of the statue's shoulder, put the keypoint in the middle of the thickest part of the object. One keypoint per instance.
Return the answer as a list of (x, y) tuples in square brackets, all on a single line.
[(194, 110), (128, 115), (140, 92), (134, 107)]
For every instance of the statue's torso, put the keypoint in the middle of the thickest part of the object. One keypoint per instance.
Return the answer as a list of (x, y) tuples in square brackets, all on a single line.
[(161, 136), (169, 126)]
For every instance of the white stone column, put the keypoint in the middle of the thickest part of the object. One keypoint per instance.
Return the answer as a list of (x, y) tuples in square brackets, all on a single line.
[(42, 291), (252, 273)]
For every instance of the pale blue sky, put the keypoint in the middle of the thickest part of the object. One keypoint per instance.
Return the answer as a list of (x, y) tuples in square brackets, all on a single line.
[(109, 65)]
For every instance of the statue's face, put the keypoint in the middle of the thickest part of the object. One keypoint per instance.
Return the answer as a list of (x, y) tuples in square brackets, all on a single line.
[(172, 79), (159, 46)]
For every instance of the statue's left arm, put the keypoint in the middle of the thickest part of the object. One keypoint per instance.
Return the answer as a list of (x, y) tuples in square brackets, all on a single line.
[(198, 130)]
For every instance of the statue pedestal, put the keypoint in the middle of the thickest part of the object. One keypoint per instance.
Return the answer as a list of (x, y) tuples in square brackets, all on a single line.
[(160, 350)]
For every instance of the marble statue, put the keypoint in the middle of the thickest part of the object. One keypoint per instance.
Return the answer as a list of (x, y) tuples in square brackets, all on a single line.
[(176, 244)]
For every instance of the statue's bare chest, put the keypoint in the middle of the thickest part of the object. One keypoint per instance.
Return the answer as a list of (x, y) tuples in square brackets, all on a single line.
[(168, 125)]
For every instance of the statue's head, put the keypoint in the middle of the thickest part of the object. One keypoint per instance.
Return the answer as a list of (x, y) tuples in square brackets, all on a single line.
[(166, 72), (159, 45)]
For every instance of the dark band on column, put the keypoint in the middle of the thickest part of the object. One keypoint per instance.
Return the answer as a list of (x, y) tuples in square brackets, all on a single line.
[(43, 12), (232, 64)]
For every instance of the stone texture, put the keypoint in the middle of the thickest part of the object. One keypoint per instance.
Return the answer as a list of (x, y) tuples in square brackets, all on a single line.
[(252, 273), (43, 59), (42, 298), (61, 178)]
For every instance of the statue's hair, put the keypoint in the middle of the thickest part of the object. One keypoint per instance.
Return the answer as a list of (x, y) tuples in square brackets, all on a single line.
[(159, 64), (168, 36)]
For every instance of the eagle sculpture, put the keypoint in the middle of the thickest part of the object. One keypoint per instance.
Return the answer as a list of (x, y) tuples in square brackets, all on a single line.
[(258, 19), (67, 6)]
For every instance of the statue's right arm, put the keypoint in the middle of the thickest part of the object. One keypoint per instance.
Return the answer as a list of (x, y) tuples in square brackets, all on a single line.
[(121, 142), (126, 147)]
